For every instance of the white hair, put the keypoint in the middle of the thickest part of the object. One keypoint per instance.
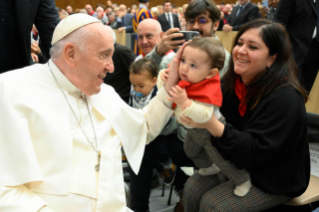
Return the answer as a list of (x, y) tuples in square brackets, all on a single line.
[(111, 31), (77, 37), (155, 10)]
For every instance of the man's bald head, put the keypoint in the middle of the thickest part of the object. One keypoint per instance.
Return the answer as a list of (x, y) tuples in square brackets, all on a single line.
[(147, 23), (149, 33), (122, 7)]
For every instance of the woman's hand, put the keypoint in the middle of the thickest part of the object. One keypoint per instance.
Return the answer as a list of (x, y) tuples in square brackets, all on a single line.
[(215, 127)]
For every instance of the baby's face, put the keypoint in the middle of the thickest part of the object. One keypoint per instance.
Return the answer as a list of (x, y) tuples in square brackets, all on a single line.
[(195, 65), (143, 83)]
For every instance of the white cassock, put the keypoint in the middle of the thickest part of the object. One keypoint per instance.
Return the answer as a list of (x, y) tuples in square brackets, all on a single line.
[(45, 158)]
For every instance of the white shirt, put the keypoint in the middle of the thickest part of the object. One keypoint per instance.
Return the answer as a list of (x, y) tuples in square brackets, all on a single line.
[(171, 17)]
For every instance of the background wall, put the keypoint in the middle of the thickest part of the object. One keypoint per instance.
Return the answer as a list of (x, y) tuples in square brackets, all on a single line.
[(80, 4)]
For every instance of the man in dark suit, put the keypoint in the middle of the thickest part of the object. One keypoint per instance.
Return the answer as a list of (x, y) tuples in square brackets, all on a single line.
[(16, 21), (300, 17), (119, 79), (241, 14), (125, 19), (272, 4), (167, 19)]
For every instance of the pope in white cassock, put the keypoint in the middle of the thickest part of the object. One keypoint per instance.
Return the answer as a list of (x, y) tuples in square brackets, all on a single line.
[(61, 128)]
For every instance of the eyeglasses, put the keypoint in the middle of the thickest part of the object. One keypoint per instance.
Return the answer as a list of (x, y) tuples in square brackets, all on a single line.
[(200, 21)]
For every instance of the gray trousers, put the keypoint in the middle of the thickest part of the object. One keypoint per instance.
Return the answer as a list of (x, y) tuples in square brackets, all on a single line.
[(198, 147), (214, 193)]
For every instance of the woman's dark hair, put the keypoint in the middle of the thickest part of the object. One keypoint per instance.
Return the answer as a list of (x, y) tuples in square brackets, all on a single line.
[(282, 73), (198, 7), (144, 65)]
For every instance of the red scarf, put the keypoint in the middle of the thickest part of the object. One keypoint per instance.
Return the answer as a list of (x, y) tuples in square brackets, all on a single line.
[(143, 54), (240, 91), (92, 13), (206, 91)]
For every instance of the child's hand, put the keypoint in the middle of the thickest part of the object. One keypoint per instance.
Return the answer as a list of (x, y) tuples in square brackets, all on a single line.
[(178, 95), (165, 75)]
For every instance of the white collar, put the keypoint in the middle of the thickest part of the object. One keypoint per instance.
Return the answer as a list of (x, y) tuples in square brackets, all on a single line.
[(64, 82)]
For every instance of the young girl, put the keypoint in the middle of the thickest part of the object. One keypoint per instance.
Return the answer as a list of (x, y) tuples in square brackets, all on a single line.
[(198, 96), (143, 77)]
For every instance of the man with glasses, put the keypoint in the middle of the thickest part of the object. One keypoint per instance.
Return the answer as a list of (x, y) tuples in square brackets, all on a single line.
[(202, 16)]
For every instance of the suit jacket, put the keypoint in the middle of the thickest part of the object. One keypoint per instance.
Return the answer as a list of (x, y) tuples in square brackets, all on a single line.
[(119, 79), (250, 12), (45, 17), (271, 14), (127, 22), (164, 23), (300, 19)]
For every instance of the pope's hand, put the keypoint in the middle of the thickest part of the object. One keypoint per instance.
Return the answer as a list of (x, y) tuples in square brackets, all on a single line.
[(173, 78)]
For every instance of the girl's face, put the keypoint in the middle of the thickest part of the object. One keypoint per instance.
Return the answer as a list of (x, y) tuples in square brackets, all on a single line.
[(143, 83), (251, 55), (195, 65)]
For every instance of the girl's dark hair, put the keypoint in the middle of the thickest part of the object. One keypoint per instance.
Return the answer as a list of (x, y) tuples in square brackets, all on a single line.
[(144, 65), (213, 48), (282, 73)]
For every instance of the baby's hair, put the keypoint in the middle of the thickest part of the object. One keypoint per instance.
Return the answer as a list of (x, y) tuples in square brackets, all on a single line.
[(213, 48), (144, 65)]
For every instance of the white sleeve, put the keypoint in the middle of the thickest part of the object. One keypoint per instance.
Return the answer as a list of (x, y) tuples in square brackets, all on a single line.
[(19, 198), (199, 112), (160, 82), (157, 114)]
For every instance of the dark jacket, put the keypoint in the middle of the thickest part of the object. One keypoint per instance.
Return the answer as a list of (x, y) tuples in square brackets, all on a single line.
[(164, 23), (119, 79), (250, 12), (269, 141), (300, 19), (17, 18)]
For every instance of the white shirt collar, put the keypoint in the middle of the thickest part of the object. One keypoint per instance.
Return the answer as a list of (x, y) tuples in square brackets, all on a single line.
[(64, 82)]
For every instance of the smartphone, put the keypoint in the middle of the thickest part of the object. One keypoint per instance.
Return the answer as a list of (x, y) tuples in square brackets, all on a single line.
[(188, 35), (265, 3)]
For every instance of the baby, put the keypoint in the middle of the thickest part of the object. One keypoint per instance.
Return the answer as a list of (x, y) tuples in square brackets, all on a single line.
[(198, 96), (143, 77)]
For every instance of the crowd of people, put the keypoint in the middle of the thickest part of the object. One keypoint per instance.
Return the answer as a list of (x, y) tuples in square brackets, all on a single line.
[(238, 118)]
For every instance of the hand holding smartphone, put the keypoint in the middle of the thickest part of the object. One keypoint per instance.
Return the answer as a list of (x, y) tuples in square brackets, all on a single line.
[(188, 35)]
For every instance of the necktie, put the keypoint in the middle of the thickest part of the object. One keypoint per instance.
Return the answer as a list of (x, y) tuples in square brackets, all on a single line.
[(169, 20), (238, 12), (317, 36)]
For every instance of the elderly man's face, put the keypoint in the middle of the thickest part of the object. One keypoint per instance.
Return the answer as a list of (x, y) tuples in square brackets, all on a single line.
[(148, 37), (93, 64), (205, 30), (88, 9), (69, 9)]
